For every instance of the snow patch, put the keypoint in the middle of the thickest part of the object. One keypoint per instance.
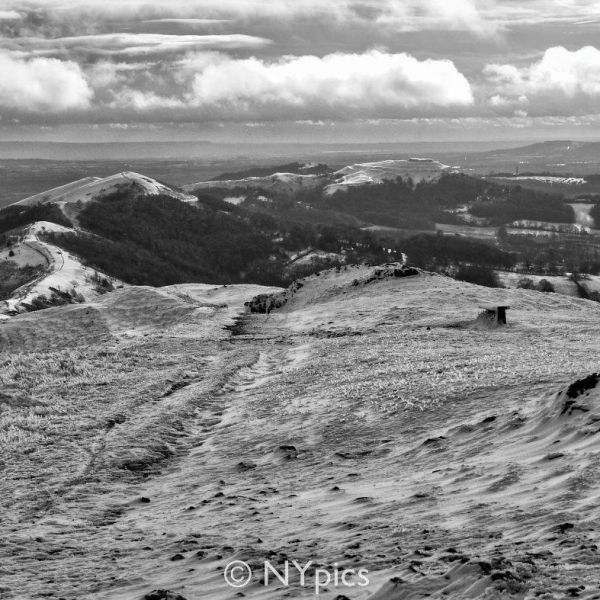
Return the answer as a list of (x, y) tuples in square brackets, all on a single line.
[(235, 200)]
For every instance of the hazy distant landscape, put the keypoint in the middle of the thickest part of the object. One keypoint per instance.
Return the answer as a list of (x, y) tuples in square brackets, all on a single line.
[(180, 163)]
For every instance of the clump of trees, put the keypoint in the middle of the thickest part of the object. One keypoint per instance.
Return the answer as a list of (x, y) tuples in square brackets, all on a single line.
[(518, 203), (543, 285), (402, 204), (57, 297), (159, 241), (479, 275), (12, 277), (439, 252), (13, 217)]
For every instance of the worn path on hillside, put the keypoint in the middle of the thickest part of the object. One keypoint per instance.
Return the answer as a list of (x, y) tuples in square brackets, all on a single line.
[(369, 425)]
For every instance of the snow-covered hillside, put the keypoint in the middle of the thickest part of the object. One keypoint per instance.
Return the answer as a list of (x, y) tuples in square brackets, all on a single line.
[(285, 183), (418, 169), (550, 179), (372, 423), (63, 271), (91, 188)]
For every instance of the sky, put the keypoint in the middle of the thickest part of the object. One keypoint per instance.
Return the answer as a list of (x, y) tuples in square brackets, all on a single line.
[(299, 70)]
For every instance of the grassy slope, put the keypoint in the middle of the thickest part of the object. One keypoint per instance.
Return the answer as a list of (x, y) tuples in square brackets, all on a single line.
[(349, 375)]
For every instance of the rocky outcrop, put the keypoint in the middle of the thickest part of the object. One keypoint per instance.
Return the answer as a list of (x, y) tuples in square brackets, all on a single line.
[(163, 595), (388, 271), (265, 303)]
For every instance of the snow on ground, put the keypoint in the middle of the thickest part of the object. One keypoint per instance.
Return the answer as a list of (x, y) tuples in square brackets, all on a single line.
[(528, 226), (547, 179), (307, 258), (352, 175), (592, 282), (23, 255), (377, 172), (235, 200), (64, 271), (89, 188), (278, 182), (368, 424)]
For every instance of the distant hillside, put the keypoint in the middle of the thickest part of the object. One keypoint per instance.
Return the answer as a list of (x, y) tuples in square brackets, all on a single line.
[(265, 230), (89, 188), (415, 169), (295, 177), (294, 167), (554, 149), (285, 184), (161, 241)]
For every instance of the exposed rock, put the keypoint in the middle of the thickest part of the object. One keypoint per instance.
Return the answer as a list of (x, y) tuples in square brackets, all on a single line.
[(177, 557), (163, 595)]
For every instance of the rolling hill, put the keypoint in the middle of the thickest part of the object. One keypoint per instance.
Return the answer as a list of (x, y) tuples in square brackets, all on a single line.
[(329, 182), (130, 228), (259, 230), (62, 277), (90, 188), (416, 169), (155, 435)]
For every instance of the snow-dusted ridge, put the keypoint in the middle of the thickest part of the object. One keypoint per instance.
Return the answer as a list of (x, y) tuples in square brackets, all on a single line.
[(90, 188), (63, 271), (277, 182), (418, 169)]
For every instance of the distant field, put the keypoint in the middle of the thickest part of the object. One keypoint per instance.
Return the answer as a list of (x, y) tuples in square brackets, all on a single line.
[(482, 233), (570, 187)]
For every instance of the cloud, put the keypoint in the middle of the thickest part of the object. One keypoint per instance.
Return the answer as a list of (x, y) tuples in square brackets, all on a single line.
[(135, 44), (190, 22), (296, 60), (458, 15), (42, 84), (9, 15), (561, 82), (340, 86), (212, 86), (400, 15)]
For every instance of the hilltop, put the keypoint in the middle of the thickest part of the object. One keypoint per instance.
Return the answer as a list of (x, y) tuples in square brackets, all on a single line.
[(60, 276), (415, 169), (320, 177), (372, 421), (89, 188)]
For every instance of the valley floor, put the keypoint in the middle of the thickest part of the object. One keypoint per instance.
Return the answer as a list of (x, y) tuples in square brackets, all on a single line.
[(368, 424)]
